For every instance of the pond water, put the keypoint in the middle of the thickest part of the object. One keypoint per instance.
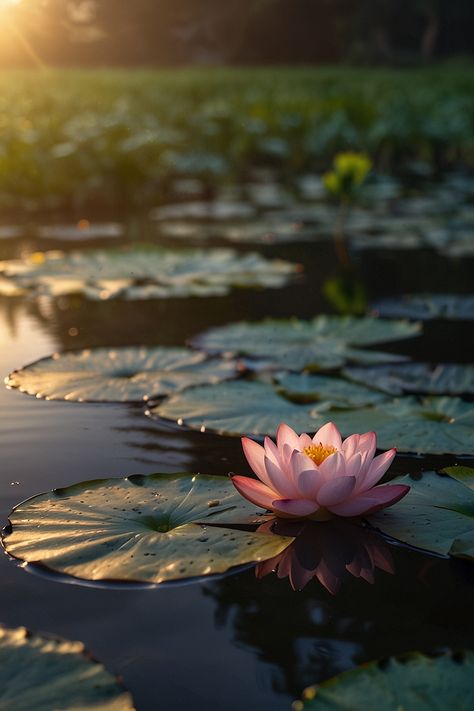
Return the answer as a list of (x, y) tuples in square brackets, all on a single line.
[(237, 642)]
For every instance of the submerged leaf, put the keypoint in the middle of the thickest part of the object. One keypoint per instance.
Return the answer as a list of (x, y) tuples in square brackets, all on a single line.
[(42, 673), (436, 515), (118, 374), (147, 529), (413, 682), (324, 342)]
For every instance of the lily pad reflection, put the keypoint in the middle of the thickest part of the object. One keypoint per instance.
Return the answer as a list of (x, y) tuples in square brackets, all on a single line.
[(146, 529), (118, 374), (42, 673)]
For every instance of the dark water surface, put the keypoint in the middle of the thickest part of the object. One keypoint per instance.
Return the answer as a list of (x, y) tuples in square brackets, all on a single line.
[(238, 642)]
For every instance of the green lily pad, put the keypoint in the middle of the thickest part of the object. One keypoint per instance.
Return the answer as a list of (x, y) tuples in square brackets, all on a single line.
[(83, 230), (324, 342), (118, 374), (336, 392), (235, 408), (427, 306), (412, 682), (43, 673), (437, 425), (145, 273), (463, 474), (399, 378), (434, 425), (146, 529), (436, 515)]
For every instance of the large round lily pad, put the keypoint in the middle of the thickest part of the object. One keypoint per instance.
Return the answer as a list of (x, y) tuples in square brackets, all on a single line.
[(42, 674), (118, 374), (325, 342), (413, 682), (399, 378), (436, 425), (436, 515), (427, 306), (235, 408), (145, 273), (147, 529)]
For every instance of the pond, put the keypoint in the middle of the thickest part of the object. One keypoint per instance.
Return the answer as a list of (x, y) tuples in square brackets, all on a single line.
[(239, 641)]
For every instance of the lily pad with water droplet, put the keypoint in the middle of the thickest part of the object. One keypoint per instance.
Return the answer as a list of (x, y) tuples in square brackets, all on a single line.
[(325, 342), (118, 374), (399, 378), (436, 515), (337, 392), (147, 529), (425, 307), (235, 408), (437, 425), (412, 682), (42, 673), (434, 425), (145, 273)]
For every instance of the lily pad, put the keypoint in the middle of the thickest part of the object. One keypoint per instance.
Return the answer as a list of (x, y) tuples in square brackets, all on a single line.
[(145, 273), (413, 681), (399, 378), (427, 306), (463, 474), (336, 392), (240, 407), (43, 673), (147, 529), (436, 425), (217, 210), (436, 515), (325, 342), (118, 374), (83, 230)]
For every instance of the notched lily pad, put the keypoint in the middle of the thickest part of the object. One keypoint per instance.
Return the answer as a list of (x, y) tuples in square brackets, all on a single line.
[(43, 673), (436, 515), (240, 407), (412, 681), (145, 273), (399, 378), (147, 529), (118, 374), (425, 307), (463, 474), (336, 392), (434, 425), (325, 342)]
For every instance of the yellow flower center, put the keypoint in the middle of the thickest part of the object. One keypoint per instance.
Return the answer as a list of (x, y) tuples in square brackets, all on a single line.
[(319, 452)]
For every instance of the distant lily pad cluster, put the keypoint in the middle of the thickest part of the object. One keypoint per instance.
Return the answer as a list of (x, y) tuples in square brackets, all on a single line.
[(142, 273)]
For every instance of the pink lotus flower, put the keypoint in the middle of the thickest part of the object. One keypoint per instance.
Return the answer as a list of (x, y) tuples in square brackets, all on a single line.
[(302, 477)]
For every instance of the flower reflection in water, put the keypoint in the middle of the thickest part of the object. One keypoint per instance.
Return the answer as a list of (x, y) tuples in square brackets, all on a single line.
[(328, 551)]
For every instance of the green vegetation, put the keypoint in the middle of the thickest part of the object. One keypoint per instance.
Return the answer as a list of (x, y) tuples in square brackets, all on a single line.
[(112, 135)]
